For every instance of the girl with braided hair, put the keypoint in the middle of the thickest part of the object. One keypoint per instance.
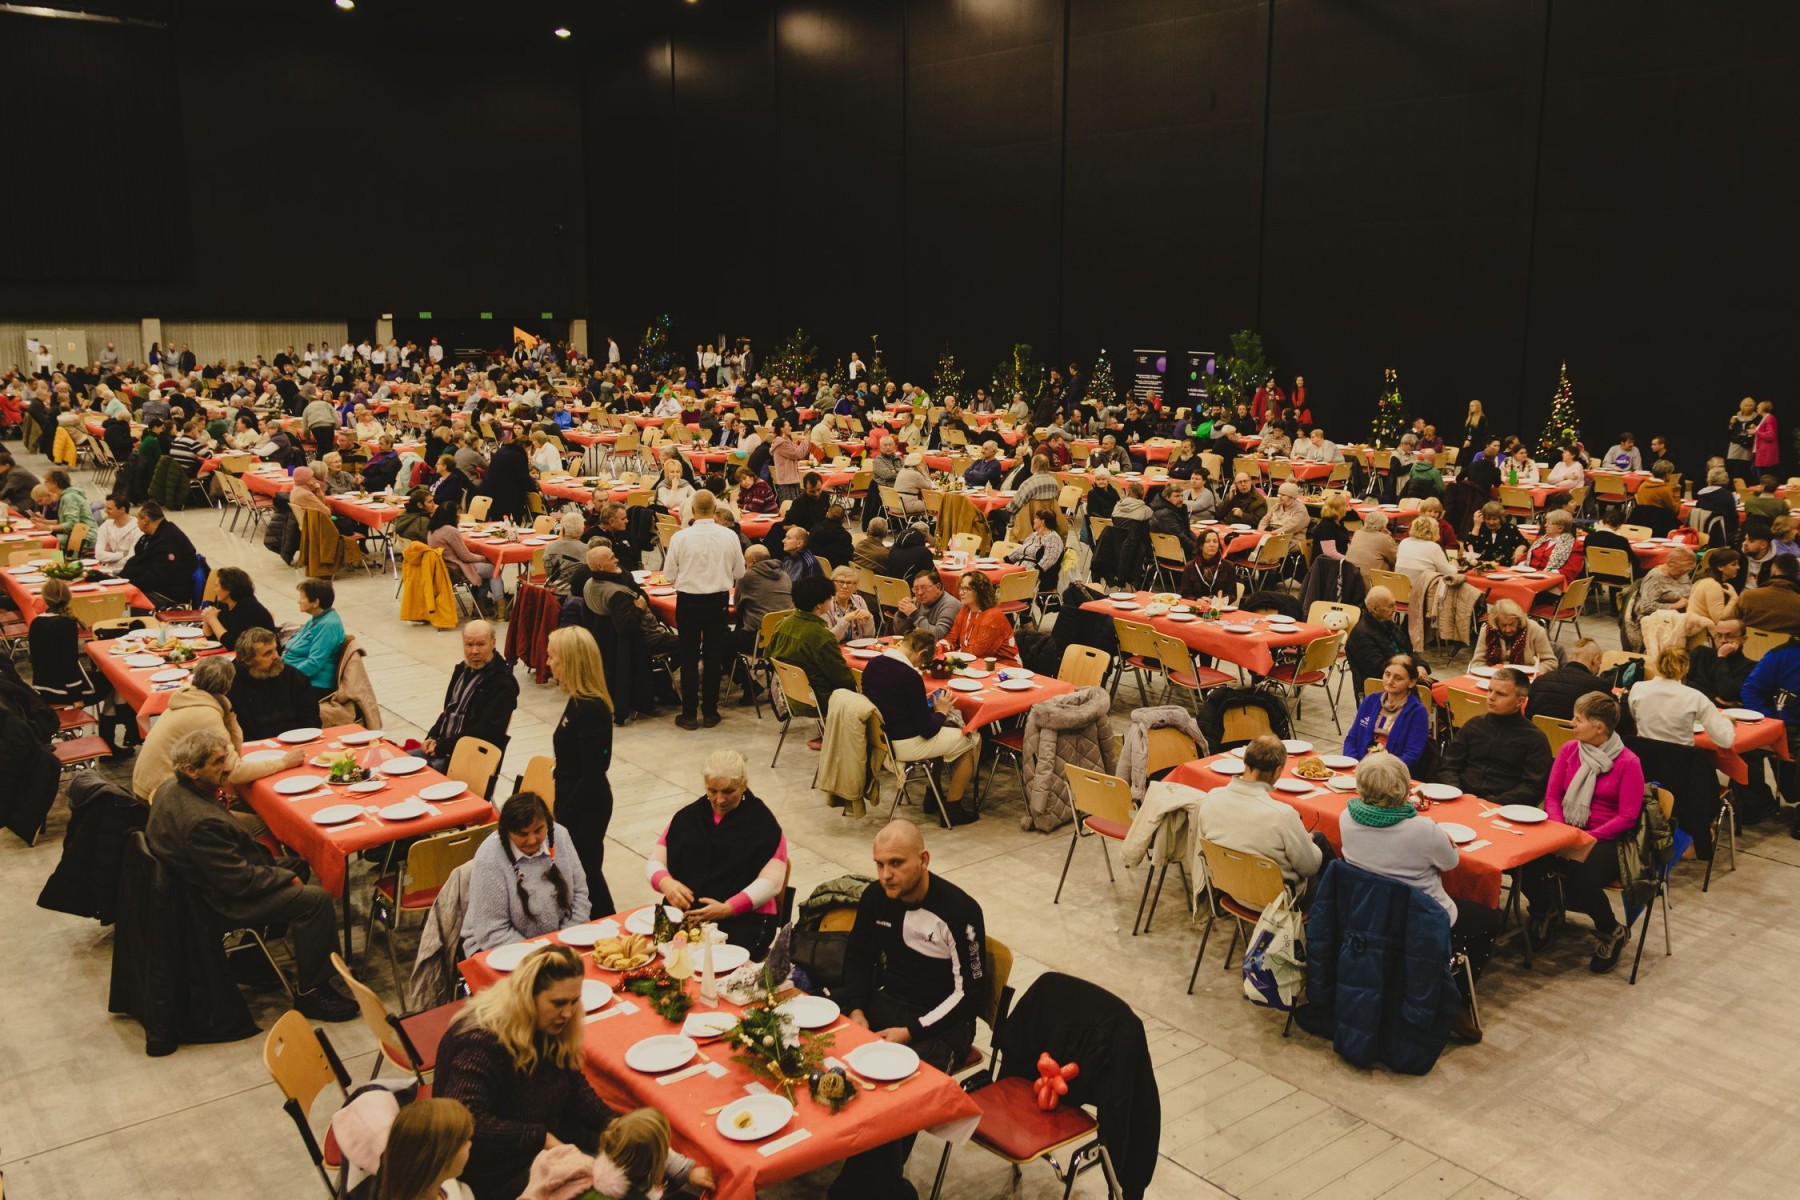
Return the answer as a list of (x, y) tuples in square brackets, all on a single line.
[(525, 881)]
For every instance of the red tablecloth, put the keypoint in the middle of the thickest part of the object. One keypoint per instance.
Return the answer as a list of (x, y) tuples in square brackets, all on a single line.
[(132, 685), (1120, 478), (1632, 478), (25, 597), (1254, 651), (499, 551), (992, 703), (930, 1100), (1520, 589), (1476, 877), (583, 437), (952, 576), (941, 462), (1769, 734), (327, 849)]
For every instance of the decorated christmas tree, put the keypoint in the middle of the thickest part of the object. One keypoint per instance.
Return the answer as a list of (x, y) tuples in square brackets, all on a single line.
[(1102, 392), (948, 381), (1021, 374), (1242, 371), (796, 359), (656, 353), (1563, 428), (1390, 413), (878, 376)]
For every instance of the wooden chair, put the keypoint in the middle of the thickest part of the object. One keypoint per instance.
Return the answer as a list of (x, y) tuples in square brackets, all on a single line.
[(1268, 557), (1240, 884), (1315, 613), (1557, 731), (1635, 533), (889, 592), (756, 663), (1170, 560), (1610, 565), (1400, 585), (1102, 806), (999, 960), (966, 543), (1138, 650), (478, 508), (1084, 666), (30, 554), (1016, 591), (413, 887), (1610, 489), (1517, 502), (1314, 669), (1464, 707), (1565, 608), (1179, 670), (539, 776), (410, 1043), (1098, 526), (90, 609), (1758, 642), (302, 1063), (798, 690), (474, 764)]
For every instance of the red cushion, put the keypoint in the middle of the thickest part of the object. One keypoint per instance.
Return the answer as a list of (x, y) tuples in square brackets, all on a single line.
[(1012, 740), (330, 1150), (1015, 1127), (1200, 677), (1233, 907), (417, 898), (1105, 828), (426, 1030), (1285, 674), (81, 749), (74, 718)]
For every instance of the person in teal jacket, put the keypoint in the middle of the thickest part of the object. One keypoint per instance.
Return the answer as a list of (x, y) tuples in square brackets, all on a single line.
[(315, 650), (1392, 717)]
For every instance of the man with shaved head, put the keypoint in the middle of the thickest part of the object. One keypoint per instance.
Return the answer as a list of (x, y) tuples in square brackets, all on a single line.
[(479, 701), (915, 973)]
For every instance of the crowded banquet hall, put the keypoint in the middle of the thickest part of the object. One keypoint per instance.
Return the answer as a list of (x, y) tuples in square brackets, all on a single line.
[(654, 599)]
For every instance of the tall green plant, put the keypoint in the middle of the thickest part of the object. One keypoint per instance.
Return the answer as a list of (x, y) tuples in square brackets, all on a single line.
[(1242, 371)]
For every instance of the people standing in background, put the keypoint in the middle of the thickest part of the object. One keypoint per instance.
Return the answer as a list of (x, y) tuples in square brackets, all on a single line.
[(704, 562), (1768, 441), (583, 743)]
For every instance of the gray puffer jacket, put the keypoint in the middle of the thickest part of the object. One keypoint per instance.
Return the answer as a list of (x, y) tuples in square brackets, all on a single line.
[(1073, 728)]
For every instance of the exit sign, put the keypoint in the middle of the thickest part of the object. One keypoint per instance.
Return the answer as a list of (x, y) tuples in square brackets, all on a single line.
[(547, 316), (487, 316), (424, 316)]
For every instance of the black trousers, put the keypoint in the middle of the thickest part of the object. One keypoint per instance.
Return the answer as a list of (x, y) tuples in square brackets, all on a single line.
[(1584, 885), (324, 438), (701, 624), (880, 1174), (311, 922)]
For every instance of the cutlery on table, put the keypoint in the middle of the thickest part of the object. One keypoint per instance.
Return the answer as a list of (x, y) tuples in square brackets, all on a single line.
[(895, 1086)]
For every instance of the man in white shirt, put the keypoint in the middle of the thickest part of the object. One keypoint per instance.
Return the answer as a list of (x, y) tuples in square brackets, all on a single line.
[(311, 357), (378, 356), (1242, 815), (117, 536), (704, 563), (612, 353), (855, 368), (436, 351), (363, 349), (346, 352)]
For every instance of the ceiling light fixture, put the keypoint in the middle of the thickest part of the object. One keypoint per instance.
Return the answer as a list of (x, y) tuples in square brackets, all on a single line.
[(346, 5), (562, 31)]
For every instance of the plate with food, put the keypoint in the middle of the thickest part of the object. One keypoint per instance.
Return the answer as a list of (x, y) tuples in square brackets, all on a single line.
[(1312, 768), (1341, 783), (627, 952), (726, 957), (753, 1118)]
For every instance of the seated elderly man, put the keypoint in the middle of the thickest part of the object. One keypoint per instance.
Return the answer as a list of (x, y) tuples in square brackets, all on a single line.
[(762, 589), (268, 696), (1107, 454), (191, 833), (1242, 815), (1288, 517), (870, 549), (929, 608), (1243, 504), (1043, 485), (611, 593), (1500, 756), (1554, 693), (986, 470), (479, 701), (1379, 635)]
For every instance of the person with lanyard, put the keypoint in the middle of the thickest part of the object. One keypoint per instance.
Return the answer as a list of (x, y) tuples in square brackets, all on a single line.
[(1393, 718), (916, 973), (1209, 572), (723, 858), (479, 702), (703, 562)]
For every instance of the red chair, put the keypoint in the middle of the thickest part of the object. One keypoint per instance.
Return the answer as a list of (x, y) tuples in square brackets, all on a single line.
[(301, 1061), (410, 1043)]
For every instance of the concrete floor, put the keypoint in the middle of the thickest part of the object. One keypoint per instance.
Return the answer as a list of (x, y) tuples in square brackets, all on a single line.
[(1584, 1087)]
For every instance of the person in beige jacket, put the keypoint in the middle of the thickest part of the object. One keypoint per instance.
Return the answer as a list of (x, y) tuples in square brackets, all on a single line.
[(203, 704)]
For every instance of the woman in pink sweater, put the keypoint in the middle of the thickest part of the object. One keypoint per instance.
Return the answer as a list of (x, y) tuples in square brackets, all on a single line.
[(1596, 784)]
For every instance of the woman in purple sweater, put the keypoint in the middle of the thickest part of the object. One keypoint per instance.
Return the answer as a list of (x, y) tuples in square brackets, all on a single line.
[(1596, 784)]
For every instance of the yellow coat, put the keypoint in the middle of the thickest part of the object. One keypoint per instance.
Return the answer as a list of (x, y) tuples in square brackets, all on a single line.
[(62, 449), (425, 591)]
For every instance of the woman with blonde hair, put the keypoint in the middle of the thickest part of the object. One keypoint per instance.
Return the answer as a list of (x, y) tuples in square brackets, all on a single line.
[(1437, 587), (1475, 430), (635, 1161), (1665, 708), (513, 1056), (1663, 598), (545, 457), (583, 744), (427, 1147)]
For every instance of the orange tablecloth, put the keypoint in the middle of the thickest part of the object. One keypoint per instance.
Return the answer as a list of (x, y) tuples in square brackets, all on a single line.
[(584, 437), (132, 684), (992, 703), (931, 1100), (27, 533), (499, 551), (941, 462), (327, 849), (1475, 878), (1769, 734), (25, 597), (1519, 589), (1254, 651), (1073, 474), (952, 576)]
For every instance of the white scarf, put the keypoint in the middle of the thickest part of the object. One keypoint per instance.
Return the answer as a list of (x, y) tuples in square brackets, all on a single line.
[(1595, 762)]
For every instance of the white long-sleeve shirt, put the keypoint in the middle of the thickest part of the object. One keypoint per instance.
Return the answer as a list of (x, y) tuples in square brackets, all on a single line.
[(1667, 711), (704, 559), (113, 544)]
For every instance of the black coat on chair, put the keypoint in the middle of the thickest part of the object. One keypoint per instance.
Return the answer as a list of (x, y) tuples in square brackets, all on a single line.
[(101, 817), (1688, 773)]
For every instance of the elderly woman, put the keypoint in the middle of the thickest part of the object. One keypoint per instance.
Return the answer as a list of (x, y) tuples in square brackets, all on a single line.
[(478, 572), (848, 614), (1568, 473), (1662, 604), (1433, 507), (911, 482), (203, 702), (1718, 500), (1597, 785), (1510, 638), (1495, 538), (1557, 549), (980, 627), (1287, 516), (1043, 549), (1666, 709), (337, 480), (545, 457), (1372, 548), (1330, 537), (364, 425), (245, 433), (567, 554), (1393, 719), (723, 858), (1382, 833), (309, 489), (1714, 598), (1437, 587)]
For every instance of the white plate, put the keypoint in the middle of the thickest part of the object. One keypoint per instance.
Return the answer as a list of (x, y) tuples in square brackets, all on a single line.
[(507, 958), (1524, 814), (660, 591), (861, 643), (337, 814), (1296, 746), (755, 1117), (1497, 575), (1482, 672), (298, 785), (1121, 595), (1229, 766), (883, 1061), (1125, 605), (405, 810), (1440, 791), (586, 935), (362, 738), (205, 644), (367, 785), (263, 756), (1238, 752), (865, 654), (644, 919), (1743, 714), (1175, 616), (450, 789), (664, 1052), (186, 631), (404, 765), (595, 995), (726, 957), (1341, 783), (170, 676), (143, 660), (1458, 833), (1237, 628), (1243, 528), (978, 673), (965, 685), (1338, 762), (1019, 673), (1015, 685), (1294, 785), (27, 580), (295, 737), (811, 1012), (702, 1025)]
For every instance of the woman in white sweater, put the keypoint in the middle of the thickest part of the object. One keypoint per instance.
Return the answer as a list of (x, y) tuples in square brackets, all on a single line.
[(1422, 560), (1666, 709)]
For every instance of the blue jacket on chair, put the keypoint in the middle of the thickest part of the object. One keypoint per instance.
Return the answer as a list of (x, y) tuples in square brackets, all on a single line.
[(1378, 980), (1406, 740)]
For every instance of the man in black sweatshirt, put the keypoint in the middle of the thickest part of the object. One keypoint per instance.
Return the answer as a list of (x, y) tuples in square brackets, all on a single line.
[(916, 973), (1500, 756), (1554, 693)]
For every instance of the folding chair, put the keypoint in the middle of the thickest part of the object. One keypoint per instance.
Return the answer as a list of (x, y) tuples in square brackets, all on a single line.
[(1084, 666), (798, 691), (1564, 609), (905, 773), (410, 1043), (1517, 502), (1400, 585), (1170, 561), (889, 593), (421, 875), (1139, 650), (1665, 799), (300, 1060), (478, 508), (1241, 884), (1269, 557), (998, 957), (474, 764), (758, 661), (1558, 732), (1314, 669), (1102, 806), (1758, 642), (1179, 670), (1464, 707), (539, 777), (1166, 747)]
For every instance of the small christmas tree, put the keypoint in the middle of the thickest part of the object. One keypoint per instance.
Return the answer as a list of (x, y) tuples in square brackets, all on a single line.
[(878, 376), (1390, 413), (796, 359), (1102, 392), (1021, 374), (655, 352), (1242, 371), (1563, 428), (948, 382)]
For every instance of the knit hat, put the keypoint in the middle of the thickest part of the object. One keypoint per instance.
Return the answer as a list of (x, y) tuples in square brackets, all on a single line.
[(361, 1128)]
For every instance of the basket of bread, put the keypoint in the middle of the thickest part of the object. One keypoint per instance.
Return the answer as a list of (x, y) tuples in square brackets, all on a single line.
[(1312, 767), (627, 952)]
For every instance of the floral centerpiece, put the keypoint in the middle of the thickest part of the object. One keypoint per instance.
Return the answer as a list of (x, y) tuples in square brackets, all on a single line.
[(180, 652), (344, 768), (667, 996), (67, 569), (767, 1040)]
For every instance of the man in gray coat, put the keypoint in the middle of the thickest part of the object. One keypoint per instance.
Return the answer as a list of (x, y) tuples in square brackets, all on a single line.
[(191, 833)]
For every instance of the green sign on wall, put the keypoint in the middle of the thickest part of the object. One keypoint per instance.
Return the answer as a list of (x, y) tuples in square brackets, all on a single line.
[(487, 316), (547, 316), (424, 316)]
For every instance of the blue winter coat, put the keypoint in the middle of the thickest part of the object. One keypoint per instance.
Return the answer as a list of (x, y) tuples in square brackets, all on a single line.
[(1378, 980), (1406, 740), (1777, 672)]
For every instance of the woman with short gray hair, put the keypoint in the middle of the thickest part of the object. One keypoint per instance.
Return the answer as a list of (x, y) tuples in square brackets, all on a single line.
[(1381, 832), (203, 704), (566, 557)]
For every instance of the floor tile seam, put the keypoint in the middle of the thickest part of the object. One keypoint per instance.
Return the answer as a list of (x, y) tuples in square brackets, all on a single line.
[(117, 1129)]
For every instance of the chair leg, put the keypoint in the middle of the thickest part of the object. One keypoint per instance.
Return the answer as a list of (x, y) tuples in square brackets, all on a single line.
[(1153, 898), (1200, 955), (1107, 859), (1143, 902), (1644, 936), (937, 1185), (783, 737), (1067, 859), (1237, 928)]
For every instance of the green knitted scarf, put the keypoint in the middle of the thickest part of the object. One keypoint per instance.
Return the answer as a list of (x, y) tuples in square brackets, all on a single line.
[(1377, 816)]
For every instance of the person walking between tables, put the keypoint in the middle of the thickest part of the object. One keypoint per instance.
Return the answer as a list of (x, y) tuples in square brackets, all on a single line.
[(704, 563)]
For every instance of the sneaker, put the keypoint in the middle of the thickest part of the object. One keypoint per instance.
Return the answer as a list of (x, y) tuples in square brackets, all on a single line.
[(1606, 951), (325, 1003), (687, 722)]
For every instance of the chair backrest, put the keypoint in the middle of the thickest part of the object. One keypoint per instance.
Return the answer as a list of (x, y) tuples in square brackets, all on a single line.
[(1665, 800), (767, 630), (540, 777), (1321, 653), (543, 524), (430, 860), (889, 592), (1167, 548), (77, 538), (1168, 747), (1612, 658), (474, 763), (1098, 526), (31, 554), (1002, 548), (999, 970), (1609, 487), (1083, 666), (1315, 613), (1556, 730), (1758, 642), (91, 609), (1244, 722), (966, 543), (1516, 500), (374, 1015), (794, 683), (1400, 585), (298, 1062), (1270, 551), (1608, 562), (1135, 638), (478, 508), (1635, 533), (1252, 880), (1464, 707), (1574, 598), (1019, 586), (1093, 794)]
